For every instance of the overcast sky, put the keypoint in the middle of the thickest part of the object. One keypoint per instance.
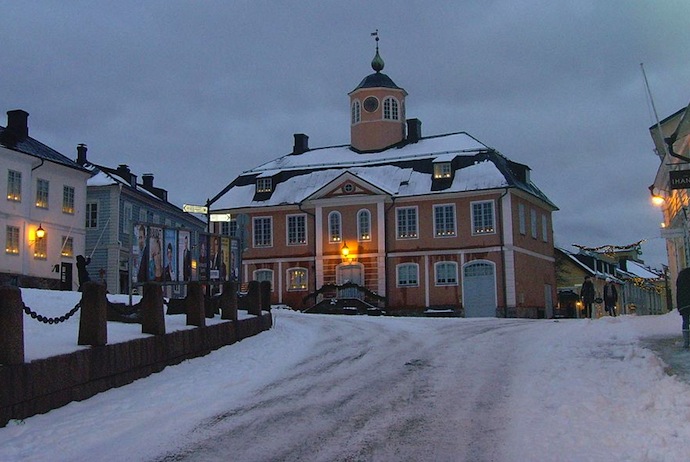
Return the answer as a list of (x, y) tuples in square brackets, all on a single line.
[(196, 92)]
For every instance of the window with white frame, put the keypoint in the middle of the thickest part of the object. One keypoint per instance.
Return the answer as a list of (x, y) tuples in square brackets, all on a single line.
[(143, 216), (406, 223), (483, 217), (264, 275), (446, 273), (12, 240), (533, 220), (68, 199), (444, 220), (442, 170), (522, 219), (544, 228), (297, 279), (263, 231), (264, 185), (42, 189), (67, 247), (296, 229), (92, 215), (407, 275), (335, 227), (356, 112), (14, 186), (390, 109), (228, 228), (127, 218), (364, 225), (41, 248)]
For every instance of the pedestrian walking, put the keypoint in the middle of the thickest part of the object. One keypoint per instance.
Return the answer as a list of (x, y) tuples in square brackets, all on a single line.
[(587, 296), (610, 297), (683, 303)]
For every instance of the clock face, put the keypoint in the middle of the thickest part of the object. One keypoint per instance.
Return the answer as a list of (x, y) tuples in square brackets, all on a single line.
[(371, 104)]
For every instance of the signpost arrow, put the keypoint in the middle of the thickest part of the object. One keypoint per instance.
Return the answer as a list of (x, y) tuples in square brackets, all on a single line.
[(189, 208)]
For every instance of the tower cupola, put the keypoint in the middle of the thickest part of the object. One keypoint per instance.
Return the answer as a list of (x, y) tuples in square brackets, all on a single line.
[(377, 110)]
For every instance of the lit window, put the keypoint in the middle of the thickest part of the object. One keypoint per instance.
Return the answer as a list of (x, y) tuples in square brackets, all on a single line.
[(297, 278), (263, 231), (406, 218), (42, 187), (264, 185), (364, 225), (68, 199), (41, 248), (442, 170), (408, 275), (356, 112), (334, 229), (14, 186), (296, 229), (446, 273), (67, 247), (12, 240), (444, 220), (92, 215), (390, 109), (483, 217)]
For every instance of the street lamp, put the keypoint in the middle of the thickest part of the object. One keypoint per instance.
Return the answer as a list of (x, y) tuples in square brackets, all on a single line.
[(40, 232)]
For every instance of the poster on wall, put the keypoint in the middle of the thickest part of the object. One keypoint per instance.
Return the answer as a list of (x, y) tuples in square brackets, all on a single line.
[(140, 254), (184, 256), (234, 260), (216, 259), (224, 258), (155, 254), (202, 268)]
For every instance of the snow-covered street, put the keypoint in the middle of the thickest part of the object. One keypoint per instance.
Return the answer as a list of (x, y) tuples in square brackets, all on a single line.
[(332, 388)]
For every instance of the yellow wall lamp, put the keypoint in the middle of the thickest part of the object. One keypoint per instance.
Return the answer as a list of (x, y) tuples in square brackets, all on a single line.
[(40, 232), (658, 197)]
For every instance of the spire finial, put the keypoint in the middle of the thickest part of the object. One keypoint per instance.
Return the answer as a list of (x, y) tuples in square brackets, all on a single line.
[(377, 63)]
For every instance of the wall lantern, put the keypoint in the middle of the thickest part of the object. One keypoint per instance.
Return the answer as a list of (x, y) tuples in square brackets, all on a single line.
[(658, 198), (40, 232), (345, 251)]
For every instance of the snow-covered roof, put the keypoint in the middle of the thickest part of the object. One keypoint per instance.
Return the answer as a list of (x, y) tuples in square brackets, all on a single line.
[(637, 269)]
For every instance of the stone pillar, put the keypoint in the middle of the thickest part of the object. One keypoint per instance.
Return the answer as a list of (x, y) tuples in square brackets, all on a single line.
[(93, 329), (228, 301), (253, 298), (152, 319), (194, 303), (265, 293), (11, 326)]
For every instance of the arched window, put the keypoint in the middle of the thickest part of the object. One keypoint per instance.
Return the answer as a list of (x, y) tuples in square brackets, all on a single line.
[(364, 225), (334, 227), (356, 112), (390, 109)]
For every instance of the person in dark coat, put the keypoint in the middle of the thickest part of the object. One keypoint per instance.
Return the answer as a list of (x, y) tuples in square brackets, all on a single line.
[(683, 303), (587, 296), (82, 272), (610, 297)]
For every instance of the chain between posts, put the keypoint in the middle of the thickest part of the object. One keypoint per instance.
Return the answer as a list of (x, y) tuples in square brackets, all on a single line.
[(46, 320)]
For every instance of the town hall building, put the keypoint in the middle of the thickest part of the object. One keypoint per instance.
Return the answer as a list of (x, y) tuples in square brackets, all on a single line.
[(395, 220)]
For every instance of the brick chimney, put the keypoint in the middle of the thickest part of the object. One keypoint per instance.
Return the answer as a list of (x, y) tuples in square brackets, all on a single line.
[(124, 173), (147, 179), (81, 154), (17, 122), (414, 130), (301, 144)]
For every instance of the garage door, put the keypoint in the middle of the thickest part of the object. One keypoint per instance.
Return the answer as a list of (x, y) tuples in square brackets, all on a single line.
[(479, 290)]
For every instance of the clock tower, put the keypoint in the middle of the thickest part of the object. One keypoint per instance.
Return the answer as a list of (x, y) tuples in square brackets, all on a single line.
[(377, 110)]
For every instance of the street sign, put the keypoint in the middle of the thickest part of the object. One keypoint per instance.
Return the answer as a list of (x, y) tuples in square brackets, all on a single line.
[(189, 208), (679, 179), (220, 217)]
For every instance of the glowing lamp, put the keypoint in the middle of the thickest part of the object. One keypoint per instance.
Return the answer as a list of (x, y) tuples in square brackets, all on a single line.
[(40, 232)]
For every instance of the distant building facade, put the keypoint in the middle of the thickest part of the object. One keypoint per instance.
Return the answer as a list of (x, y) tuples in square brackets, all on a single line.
[(43, 213), (406, 222)]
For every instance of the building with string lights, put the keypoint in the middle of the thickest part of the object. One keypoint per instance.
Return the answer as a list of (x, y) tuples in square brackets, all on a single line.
[(394, 220)]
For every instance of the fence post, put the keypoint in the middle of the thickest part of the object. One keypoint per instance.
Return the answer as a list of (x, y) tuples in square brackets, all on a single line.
[(253, 298), (265, 293), (93, 329), (11, 326), (152, 319), (194, 305), (228, 301)]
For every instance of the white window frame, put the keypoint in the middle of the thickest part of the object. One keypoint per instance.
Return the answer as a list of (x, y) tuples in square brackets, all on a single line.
[(408, 282), (533, 221), (42, 193), (296, 232), (266, 241), (68, 199), (12, 240), (67, 248), (91, 215), (335, 227), (440, 228), (446, 280), (407, 233), (127, 219), (483, 228), (521, 219), (264, 185), (544, 228), (303, 281), (364, 225), (14, 186), (356, 112), (442, 170), (391, 109)]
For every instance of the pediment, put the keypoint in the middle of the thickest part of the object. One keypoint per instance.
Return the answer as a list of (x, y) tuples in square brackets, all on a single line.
[(346, 185)]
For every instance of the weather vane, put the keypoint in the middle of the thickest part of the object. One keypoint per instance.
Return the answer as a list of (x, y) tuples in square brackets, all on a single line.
[(376, 34)]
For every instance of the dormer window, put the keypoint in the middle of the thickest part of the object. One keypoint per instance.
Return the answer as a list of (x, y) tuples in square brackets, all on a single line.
[(264, 185), (442, 170)]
